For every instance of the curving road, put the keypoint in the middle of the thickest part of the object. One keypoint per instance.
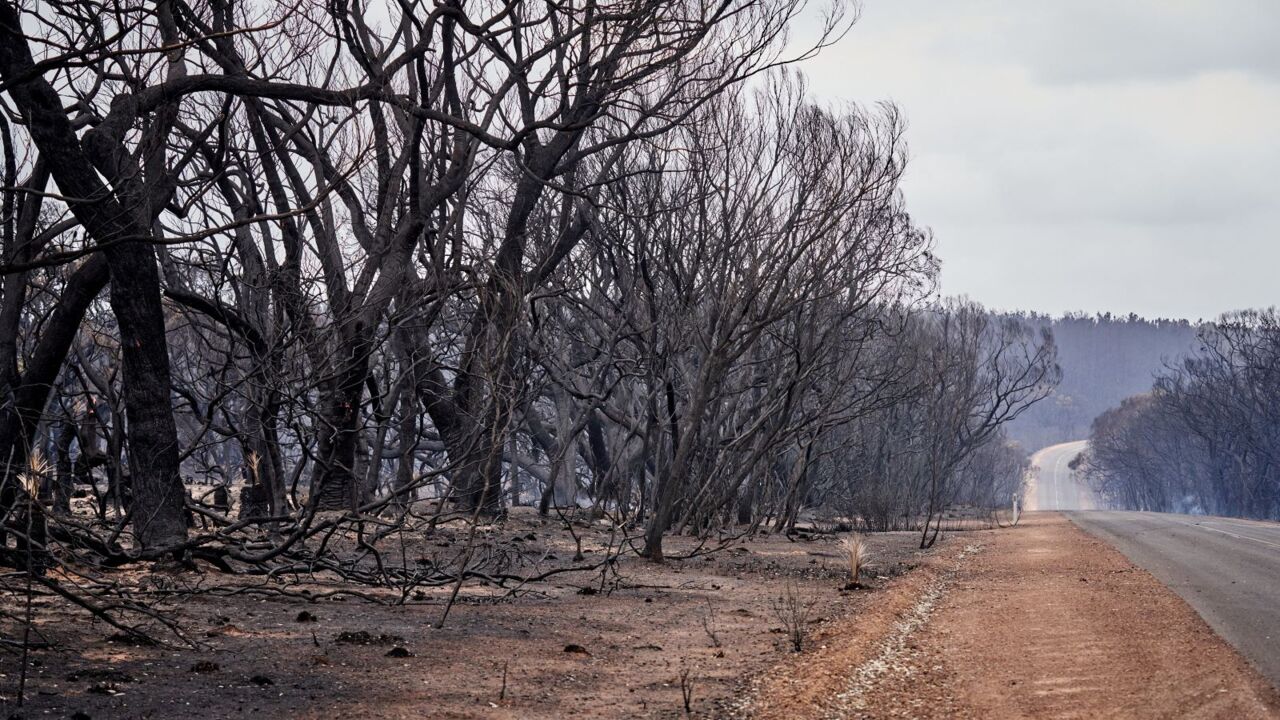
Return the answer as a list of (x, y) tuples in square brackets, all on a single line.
[(1054, 485)]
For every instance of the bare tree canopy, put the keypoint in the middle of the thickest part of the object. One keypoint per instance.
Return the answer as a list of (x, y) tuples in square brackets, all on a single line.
[(286, 280)]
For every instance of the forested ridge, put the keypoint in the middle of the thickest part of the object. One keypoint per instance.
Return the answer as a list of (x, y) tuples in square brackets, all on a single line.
[(1105, 358)]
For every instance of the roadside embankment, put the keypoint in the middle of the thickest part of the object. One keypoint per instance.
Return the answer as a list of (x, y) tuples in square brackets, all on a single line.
[(1041, 621)]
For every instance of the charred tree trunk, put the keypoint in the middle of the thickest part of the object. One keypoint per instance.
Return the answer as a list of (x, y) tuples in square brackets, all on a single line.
[(334, 484), (672, 482), (135, 291), (408, 436)]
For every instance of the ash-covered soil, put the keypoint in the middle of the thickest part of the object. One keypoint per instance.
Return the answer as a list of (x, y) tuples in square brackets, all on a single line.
[(581, 644)]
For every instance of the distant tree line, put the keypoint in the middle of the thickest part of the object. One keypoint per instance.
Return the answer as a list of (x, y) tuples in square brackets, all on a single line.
[(276, 273), (1206, 437), (1105, 358)]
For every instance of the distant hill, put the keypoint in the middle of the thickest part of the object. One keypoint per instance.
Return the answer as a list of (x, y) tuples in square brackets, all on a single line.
[(1104, 359)]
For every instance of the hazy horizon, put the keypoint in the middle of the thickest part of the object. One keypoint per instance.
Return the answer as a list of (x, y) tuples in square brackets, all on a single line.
[(1093, 158)]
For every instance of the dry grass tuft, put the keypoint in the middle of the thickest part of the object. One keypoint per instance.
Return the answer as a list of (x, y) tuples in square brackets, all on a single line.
[(37, 469), (859, 554), (251, 467)]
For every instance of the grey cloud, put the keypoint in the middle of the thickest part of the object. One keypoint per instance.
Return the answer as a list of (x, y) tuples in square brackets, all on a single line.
[(1092, 41), (1099, 156), (1129, 41), (1089, 41)]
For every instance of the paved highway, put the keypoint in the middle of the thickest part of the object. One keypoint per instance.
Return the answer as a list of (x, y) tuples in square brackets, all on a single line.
[(1227, 569), (1054, 485)]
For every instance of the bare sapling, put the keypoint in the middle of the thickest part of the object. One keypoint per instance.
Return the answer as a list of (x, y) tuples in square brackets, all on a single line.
[(793, 610), (709, 624), (686, 690)]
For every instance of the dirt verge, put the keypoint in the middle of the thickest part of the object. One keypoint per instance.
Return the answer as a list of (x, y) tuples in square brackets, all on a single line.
[(1045, 621)]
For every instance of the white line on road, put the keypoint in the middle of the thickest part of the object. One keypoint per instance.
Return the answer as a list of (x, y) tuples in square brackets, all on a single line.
[(1259, 525), (1204, 526)]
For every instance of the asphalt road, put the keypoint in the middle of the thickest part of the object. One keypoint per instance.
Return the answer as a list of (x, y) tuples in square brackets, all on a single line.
[(1054, 486), (1227, 569)]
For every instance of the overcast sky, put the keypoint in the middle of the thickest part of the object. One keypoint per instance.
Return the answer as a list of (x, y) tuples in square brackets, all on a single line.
[(1094, 155)]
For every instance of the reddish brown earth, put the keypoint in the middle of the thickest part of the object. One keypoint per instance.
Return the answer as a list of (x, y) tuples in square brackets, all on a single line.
[(1038, 621)]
